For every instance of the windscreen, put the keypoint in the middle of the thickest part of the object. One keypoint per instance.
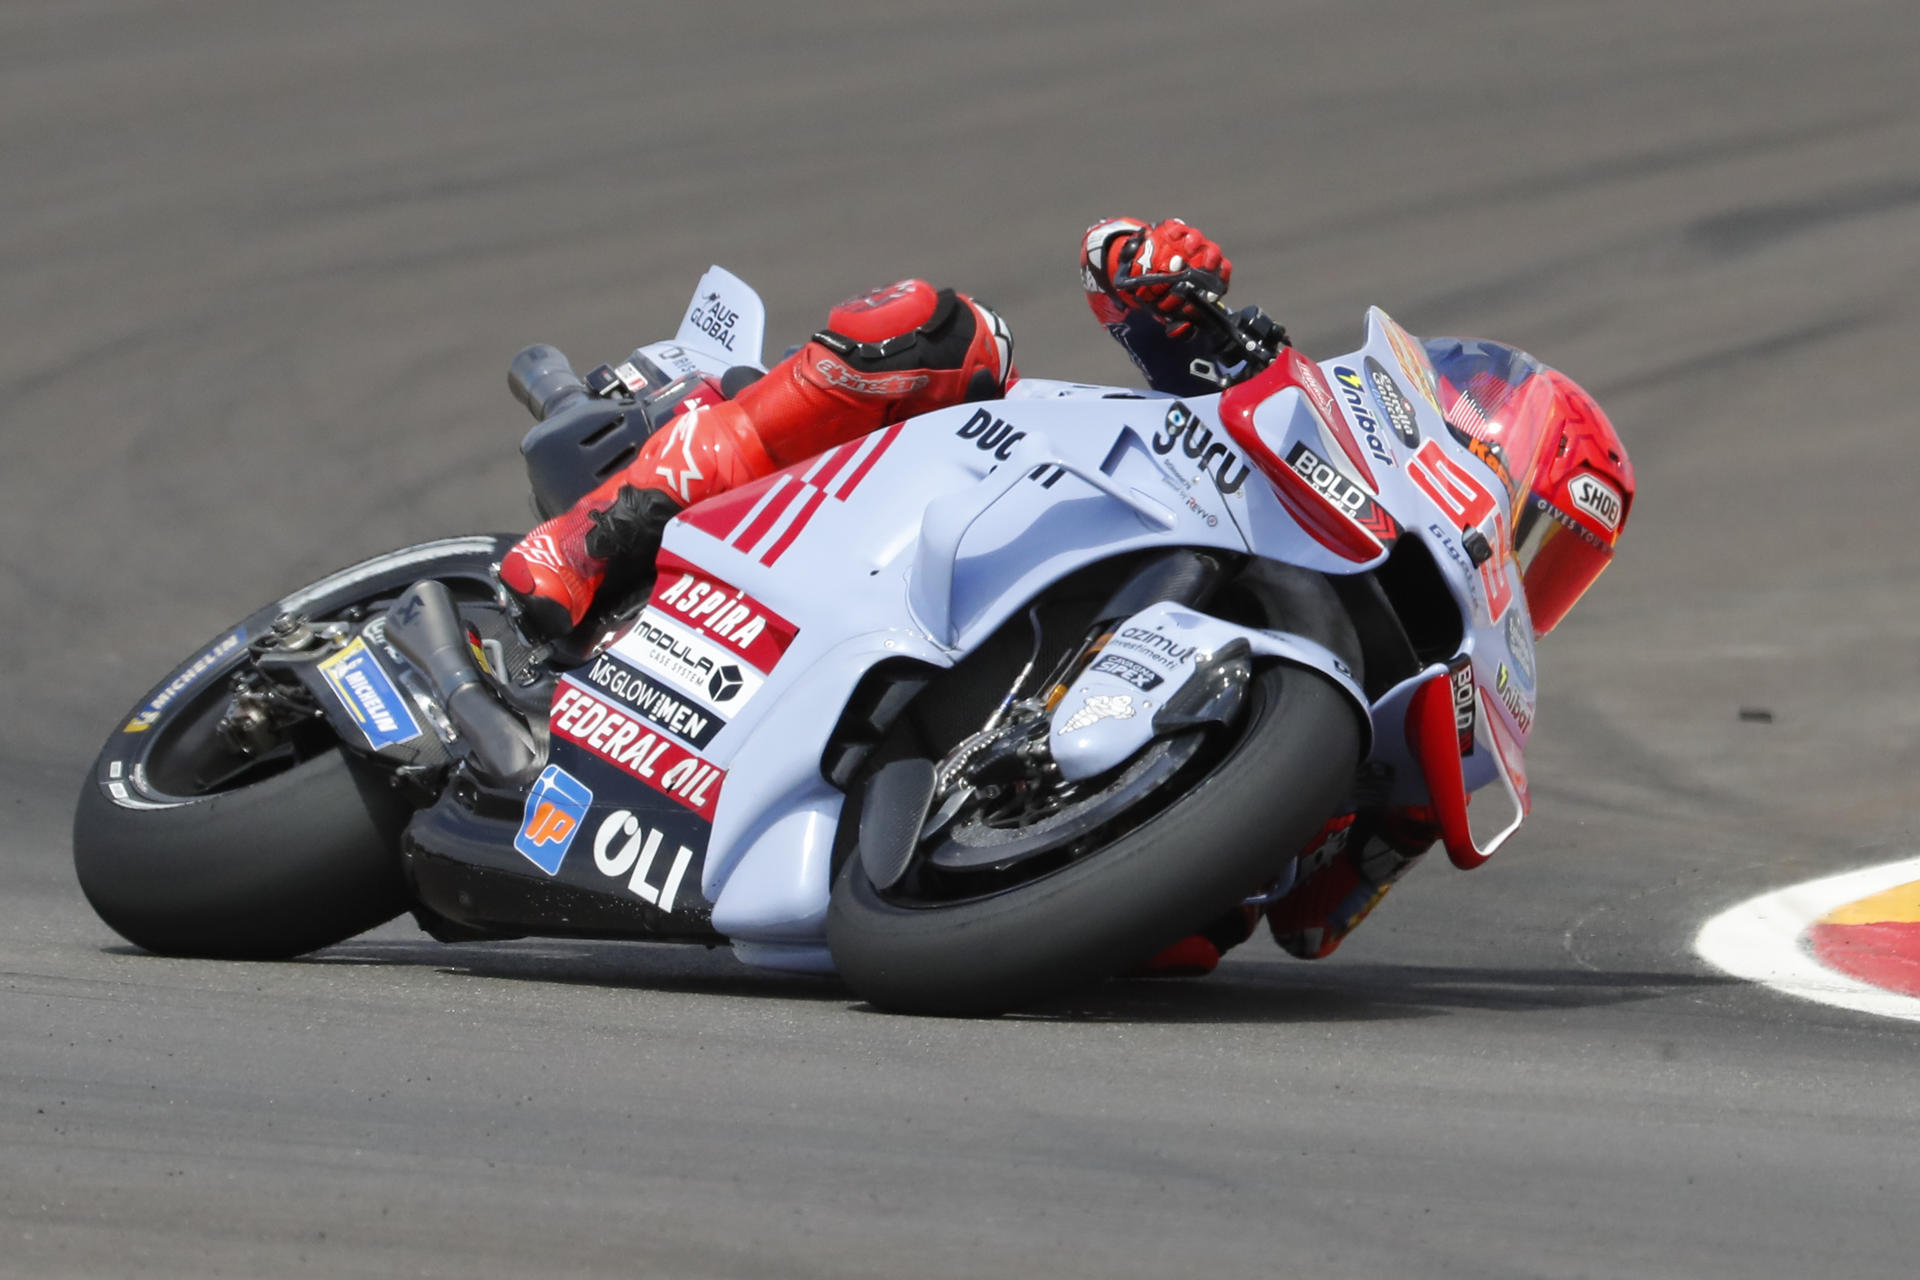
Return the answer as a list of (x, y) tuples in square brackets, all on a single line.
[(1498, 395)]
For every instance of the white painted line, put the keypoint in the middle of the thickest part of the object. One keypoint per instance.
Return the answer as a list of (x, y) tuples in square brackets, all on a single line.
[(1760, 940)]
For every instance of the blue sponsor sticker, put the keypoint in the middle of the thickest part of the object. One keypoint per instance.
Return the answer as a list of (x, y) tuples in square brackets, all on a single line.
[(556, 807), (370, 696)]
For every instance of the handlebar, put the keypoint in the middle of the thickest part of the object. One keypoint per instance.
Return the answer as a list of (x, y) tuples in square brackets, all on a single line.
[(1248, 335)]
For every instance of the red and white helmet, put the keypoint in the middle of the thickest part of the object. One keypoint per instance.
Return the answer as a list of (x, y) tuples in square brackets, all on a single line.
[(1570, 479)]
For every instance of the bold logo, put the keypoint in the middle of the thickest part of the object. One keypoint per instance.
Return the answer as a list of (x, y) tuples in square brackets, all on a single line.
[(1351, 391), (726, 614), (1346, 495), (149, 715), (1099, 706), (1465, 708), (892, 384), (656, 704), (991, 434), (621, 739), (378, 708), (1183, 427), (1520, 645), (1130, 671), (1597, 498), (555, 808), (622, 845), (1399, 413)]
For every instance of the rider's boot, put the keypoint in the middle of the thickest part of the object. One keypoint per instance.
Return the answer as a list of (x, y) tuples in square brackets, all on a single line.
[(891, 354), (1340, 880)]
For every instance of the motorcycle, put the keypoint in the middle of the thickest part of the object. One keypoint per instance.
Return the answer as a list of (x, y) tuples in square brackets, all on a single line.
[(979, 708)]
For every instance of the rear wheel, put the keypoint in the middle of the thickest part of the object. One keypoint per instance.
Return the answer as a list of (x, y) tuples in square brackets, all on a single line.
[(187, 844)]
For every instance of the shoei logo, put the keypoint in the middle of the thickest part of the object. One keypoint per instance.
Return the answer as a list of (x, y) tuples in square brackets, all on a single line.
[(1183, 427), (1596, 498), (1351, 391), (555, 808)]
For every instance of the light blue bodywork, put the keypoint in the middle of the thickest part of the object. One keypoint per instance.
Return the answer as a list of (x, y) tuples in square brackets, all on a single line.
[(950, 533)]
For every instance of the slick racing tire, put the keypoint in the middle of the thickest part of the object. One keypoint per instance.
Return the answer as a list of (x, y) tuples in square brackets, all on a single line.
[(1230, 832), (260, 863)]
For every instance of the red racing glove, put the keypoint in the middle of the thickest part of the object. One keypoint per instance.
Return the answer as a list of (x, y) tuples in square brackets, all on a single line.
[(1146, 265)]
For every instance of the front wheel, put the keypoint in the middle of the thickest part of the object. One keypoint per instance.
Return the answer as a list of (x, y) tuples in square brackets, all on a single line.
[(188, 845), (1255, 803)]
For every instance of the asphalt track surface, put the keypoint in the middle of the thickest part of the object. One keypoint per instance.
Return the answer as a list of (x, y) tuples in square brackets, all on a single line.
[(264, 265)]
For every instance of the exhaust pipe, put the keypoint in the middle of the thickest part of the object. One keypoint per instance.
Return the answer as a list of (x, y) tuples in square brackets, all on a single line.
[(425, 626)]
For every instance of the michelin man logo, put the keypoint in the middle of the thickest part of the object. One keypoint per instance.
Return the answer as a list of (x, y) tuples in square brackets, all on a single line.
[(1100, 706)]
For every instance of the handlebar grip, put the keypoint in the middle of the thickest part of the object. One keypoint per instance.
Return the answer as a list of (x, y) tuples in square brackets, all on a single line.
[(541, 378)]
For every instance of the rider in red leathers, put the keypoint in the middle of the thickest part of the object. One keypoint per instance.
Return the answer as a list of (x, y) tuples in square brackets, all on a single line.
[(908, 349)]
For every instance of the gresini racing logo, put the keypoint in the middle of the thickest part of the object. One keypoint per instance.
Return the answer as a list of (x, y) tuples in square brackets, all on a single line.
[(618, 737), (149, 715), (656, 704)]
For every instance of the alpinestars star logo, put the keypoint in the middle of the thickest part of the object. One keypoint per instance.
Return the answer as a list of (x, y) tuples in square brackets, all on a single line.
[(681, 480)]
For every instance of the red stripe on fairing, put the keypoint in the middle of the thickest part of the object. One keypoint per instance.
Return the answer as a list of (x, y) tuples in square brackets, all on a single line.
[(1886, 954), (792, 531), (823, 472), (784, 493), (719, 516), (852, 482)]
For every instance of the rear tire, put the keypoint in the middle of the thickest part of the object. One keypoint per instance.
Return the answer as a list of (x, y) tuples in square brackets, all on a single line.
[(279, 863), (298, 861)]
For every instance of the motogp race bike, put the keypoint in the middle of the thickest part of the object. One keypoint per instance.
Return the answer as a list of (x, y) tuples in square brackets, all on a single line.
[(984, 706)]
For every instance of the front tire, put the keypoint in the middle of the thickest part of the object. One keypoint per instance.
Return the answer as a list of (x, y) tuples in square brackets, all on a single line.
[(1289, 768)]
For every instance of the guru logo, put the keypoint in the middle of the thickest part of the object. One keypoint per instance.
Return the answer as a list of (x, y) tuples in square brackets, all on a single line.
[(1184, 428)]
